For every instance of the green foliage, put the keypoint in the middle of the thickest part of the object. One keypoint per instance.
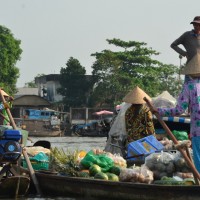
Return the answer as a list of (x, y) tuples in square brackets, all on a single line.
[(75, 85), (101, 175), (30, 84), (118, 72), (9, 55)]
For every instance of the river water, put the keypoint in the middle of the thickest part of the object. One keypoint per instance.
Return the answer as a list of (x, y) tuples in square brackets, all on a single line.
[(70, 143), (73, 143)]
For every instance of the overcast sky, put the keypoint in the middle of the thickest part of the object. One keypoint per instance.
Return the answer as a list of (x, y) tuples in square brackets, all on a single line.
[(52, 31)]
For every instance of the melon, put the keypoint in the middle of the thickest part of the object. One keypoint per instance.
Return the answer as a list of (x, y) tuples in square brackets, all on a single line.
[(189, 181), (115, 170), (101, 175), (84, 174), (112, 177), (94, 169)]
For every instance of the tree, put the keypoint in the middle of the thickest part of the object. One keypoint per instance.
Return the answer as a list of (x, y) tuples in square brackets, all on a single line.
[(10, 52), (75, 84), (32, 84), (118, 72)]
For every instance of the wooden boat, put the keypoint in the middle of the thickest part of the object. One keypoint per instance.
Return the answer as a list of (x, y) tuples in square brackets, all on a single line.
[(40, 128), (62, 186), (40, 123), (14, 186), (174, 123), (94, 129)]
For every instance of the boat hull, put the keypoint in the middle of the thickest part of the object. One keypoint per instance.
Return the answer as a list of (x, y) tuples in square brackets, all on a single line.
[(39, 128), (62, 186), (14, 186)]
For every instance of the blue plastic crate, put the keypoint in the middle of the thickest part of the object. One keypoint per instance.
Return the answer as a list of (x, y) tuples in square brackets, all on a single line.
[(143, 147)]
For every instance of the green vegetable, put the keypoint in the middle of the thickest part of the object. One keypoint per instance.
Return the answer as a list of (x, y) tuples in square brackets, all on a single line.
[(169, 182), (112, 177), (180, 135), (84, 174), (94, 169), (164, 178), (101, 175), (115, 170), (189, 181)]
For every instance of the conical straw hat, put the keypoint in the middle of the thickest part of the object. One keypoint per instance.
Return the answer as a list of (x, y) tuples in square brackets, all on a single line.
[(193, 66), (4, 93), (136, 96)]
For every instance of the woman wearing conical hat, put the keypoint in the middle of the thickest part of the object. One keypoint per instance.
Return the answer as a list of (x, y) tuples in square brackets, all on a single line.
[(138, 117)]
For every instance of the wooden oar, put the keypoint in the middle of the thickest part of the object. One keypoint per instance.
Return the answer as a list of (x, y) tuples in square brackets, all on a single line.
[(10, 123), (170, 134), (189, 155), (32, 172)]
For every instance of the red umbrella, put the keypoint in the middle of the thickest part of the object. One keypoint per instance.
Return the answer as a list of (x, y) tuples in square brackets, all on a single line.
[(103, 112)]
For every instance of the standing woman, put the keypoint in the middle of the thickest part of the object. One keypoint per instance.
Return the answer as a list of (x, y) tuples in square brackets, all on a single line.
[(189, 98), (138, 117), (190, 40)]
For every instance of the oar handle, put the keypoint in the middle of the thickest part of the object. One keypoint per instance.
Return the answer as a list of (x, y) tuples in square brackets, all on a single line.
[(161, 121), (187, 159), (32, 172)]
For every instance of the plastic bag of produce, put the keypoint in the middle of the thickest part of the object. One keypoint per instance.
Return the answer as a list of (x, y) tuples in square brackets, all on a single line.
[(180, 163), (136, 174), (117, 159), (162, 164), (34, 150), (101, 160), (168, 144), (180, 135)]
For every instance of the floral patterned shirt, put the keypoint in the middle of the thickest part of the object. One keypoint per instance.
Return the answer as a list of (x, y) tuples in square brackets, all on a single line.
[(188, 98), (139, 124)]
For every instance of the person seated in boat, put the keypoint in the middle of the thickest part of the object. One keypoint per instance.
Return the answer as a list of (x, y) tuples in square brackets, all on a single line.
[(138, 117), (134, 121)]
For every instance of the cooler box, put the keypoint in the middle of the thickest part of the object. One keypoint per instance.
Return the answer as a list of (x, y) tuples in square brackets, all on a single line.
[(12, 135), (139, 149)]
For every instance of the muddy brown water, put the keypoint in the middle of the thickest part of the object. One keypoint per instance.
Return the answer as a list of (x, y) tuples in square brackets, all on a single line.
[(73, 143)]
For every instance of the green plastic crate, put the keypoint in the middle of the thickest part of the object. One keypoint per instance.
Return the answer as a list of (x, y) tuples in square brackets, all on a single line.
[(37, 165)]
